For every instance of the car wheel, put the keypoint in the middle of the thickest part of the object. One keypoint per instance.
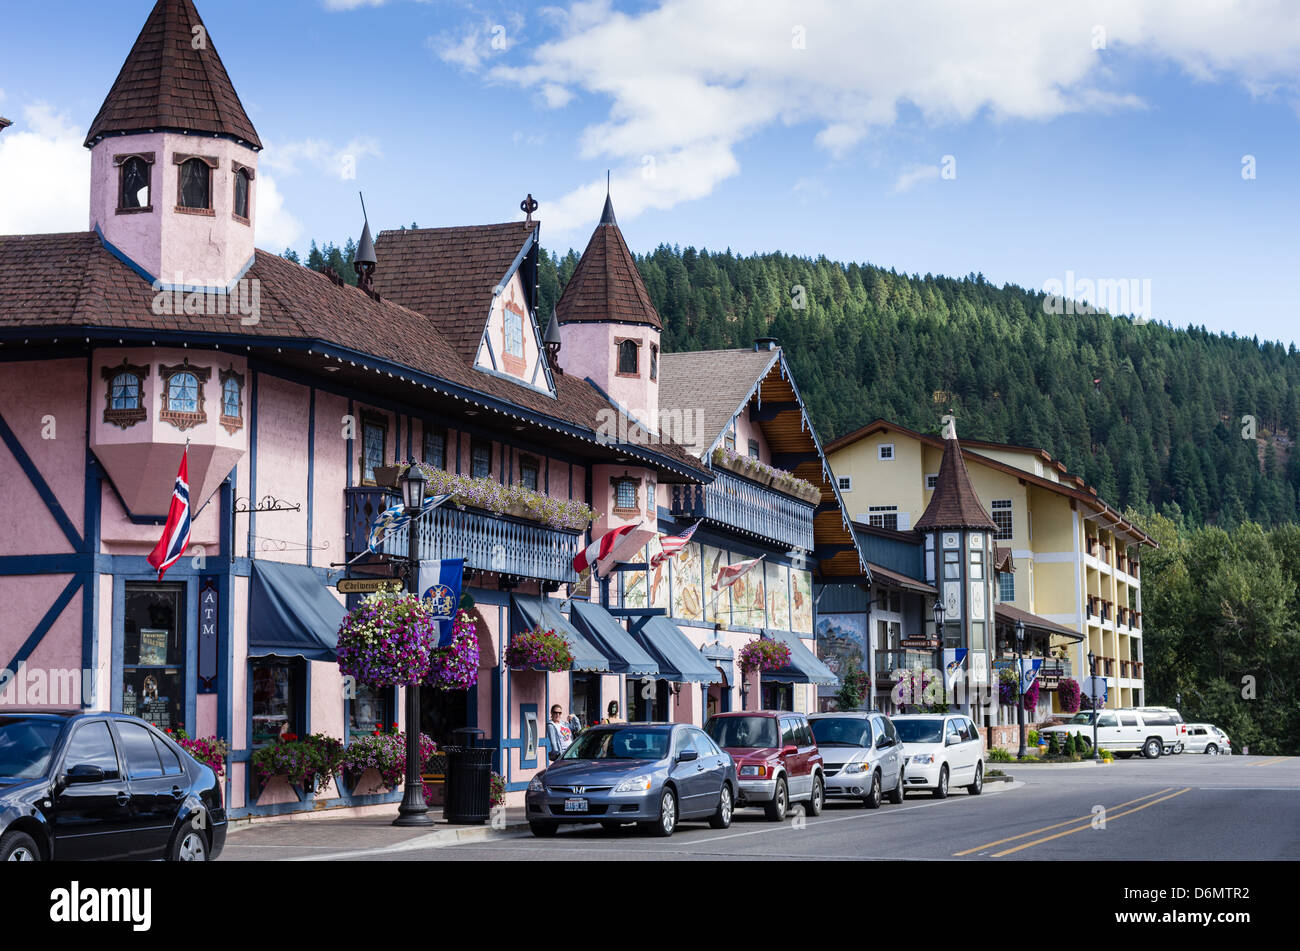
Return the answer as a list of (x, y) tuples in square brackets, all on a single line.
[(818, 800), (19, 847), (977, 787), (667, 815), (722, 818), (543, 830), (872, 800), (896, 794), (1152, 748), (1212, 750), (941, 790), (780, 801), (1178, 749), (190, 845)]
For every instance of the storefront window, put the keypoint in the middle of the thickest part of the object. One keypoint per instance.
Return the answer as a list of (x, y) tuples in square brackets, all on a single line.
[(370, 710), (153, 654), (277, 689)]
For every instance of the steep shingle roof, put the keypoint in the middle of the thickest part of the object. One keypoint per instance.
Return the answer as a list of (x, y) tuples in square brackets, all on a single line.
[(166, 83), (954, 503), (713, 383), (449, 274), (606, 285)]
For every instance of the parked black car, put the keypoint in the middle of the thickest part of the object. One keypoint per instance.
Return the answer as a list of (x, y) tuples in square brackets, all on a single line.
[(79, 785)]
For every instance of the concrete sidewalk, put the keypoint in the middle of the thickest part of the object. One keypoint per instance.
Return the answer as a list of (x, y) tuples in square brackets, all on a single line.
[(324, 839)]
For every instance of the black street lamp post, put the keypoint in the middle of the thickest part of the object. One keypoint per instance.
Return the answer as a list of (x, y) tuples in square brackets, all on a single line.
[(940, 612), (1096, 714), (1020, 684), (413, 811)]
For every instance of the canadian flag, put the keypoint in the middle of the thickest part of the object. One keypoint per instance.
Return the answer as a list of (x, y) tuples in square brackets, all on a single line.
[(611, 547)]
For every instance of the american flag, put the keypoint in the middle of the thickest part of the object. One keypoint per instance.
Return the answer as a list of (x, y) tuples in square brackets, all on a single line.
[(176, 533), (671, 545)]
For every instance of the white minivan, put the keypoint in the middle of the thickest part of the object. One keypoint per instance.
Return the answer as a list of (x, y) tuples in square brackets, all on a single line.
[(1124, 731), (941, 750)]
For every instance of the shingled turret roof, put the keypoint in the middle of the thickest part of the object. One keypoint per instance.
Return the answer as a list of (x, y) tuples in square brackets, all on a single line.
[(954, 503), (168, 83), (605, 286)]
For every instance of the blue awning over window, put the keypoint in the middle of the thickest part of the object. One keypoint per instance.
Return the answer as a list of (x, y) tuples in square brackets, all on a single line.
[(291, 613), (679, 660), (625, 655), (528, 612), (804, 666)]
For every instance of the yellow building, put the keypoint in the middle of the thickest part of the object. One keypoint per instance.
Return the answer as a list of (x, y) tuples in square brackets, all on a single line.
[(1076, 560)]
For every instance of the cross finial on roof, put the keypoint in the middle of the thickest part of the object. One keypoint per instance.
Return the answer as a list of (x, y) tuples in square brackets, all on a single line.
[(528, 206)]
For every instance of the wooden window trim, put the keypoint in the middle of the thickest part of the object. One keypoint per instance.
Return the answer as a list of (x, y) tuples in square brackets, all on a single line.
[(124, 418), (231, 424), (372, 419), (179, 159), (512, 364), (635, 508), (183, 420), (149, 158), (618, 357)]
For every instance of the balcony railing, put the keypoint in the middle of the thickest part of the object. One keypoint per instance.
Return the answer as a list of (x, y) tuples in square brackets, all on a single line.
[(487, 542), (887, 662), (737, 503)]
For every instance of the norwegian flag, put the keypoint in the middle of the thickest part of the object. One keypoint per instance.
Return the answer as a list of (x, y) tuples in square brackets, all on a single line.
[(671, 545), (601, 548), (730, 574), (176, 533)]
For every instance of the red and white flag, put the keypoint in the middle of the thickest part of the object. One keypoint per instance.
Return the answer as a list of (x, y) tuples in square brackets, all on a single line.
[(730, 574), (176, 533), (602, 547), (671, 545)]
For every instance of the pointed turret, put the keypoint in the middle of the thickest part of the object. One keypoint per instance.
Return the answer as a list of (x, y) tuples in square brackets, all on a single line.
[(954, 503), (606, 286), (173, 80)]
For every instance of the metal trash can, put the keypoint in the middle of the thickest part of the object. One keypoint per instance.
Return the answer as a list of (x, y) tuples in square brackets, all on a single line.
[(469, 780)]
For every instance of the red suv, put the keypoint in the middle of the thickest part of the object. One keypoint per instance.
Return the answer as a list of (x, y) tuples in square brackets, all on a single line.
[(777, 761)]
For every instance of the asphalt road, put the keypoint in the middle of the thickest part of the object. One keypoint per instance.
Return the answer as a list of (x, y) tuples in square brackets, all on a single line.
[(1188, 807)]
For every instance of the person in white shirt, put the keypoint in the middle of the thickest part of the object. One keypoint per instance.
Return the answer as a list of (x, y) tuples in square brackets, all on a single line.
[(559, 735)]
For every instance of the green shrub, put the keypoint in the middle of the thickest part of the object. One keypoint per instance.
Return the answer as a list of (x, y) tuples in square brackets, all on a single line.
[(1034, 737), (1053, 746), (999, 755)]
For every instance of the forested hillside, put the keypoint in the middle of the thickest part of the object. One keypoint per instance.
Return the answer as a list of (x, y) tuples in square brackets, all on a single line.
[(1150, 415)]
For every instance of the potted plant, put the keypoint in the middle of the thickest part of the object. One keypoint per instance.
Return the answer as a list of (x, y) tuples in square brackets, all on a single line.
[(385, 753), (308, 763), (539, 649), (763, 654)]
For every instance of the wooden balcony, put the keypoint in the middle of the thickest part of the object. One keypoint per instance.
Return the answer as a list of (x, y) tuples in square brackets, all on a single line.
[(890, 662), (741, 505), (487, 542)]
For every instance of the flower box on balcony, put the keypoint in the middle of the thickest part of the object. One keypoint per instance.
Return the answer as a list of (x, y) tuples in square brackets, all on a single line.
[(387, 476), (758, 471), (517, 500)]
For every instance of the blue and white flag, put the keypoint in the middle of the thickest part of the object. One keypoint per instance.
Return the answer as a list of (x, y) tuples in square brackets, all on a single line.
[(953, 658), (1029, 672), (395, 517), (440, 585)]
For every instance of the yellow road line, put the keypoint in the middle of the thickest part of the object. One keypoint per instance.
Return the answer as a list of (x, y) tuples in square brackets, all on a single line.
[(1088, 825), (989, 845), (1272, 762)]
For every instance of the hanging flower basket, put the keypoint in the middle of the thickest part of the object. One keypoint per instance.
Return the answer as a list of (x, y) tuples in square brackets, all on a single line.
[(762, 654), (310, 762), (570, 515), (539, 649), (456, 667), (386, 641), (1069, 694)]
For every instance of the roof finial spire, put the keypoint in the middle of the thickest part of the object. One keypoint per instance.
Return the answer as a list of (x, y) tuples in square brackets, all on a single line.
[(607, 216), (364, 259), (528, 206)]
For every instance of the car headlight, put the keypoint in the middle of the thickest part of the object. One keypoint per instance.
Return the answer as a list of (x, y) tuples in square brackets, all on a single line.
[(753, 771), (855, 768), (536, 785), (635, 784), (922, 759)]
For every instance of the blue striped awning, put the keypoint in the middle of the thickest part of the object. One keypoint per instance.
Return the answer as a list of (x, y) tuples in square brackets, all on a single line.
[(528, 612), (600, 627)]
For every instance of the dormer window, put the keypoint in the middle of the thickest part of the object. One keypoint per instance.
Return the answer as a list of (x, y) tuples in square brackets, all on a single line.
[(134, 181), (183, 395), (625, 494), (629, 358), (125, 394), (232, 401), (194, 195), (243, 189)]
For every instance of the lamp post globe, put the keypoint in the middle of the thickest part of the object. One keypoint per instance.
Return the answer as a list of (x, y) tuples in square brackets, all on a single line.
[(1020, 693), (413, 811), (413, 489)]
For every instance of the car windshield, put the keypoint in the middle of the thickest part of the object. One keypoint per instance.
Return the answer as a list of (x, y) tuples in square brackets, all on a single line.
[(25, 746), (737, 732), (1085, 717), (919, 731), (842, 731), (619, 744)]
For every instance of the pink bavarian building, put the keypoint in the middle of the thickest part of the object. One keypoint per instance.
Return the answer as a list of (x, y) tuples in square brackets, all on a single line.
[(298, 395)]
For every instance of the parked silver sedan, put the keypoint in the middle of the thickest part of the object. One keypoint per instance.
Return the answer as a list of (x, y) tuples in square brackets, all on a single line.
[(863, 756), (653, 774)]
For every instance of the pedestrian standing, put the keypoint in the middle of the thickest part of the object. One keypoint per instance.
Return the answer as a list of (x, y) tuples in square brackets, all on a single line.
[(559, 735), (612, 713)]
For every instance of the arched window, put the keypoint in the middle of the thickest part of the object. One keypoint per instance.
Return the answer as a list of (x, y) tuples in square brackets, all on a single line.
[(241, 193), (232, 400), (135, 193), (654, 362), (124, 392), (196, 184), (183, 394), (628, 358)]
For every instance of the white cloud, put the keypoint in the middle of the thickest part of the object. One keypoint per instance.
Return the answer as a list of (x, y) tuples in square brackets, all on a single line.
[(689, 81), (351, 4), (478, 43), (341, 162), (44, 174), (276, 227), (913, 175)]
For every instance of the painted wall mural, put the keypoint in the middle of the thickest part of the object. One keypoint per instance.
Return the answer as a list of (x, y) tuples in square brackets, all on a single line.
[(717, 606), (801, 602), (842, 642), (688, 594), (778, 595)]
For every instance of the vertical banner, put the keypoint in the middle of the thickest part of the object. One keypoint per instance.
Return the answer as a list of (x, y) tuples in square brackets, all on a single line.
[(1029, 672), (953, 658), (440, 584), (209, 613)]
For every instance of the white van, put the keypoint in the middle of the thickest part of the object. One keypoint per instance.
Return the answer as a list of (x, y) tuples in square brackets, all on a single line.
[(1125, 731)]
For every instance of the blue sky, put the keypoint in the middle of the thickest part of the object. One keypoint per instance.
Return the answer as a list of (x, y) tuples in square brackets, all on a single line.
[(1104, 141)]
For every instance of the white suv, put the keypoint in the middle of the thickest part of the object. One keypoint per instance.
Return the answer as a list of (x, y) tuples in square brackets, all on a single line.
[(1126, 731), (941, 749), (1207, 738)]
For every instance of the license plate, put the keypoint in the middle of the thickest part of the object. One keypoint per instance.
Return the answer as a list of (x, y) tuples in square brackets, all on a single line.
[(575, 805)]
